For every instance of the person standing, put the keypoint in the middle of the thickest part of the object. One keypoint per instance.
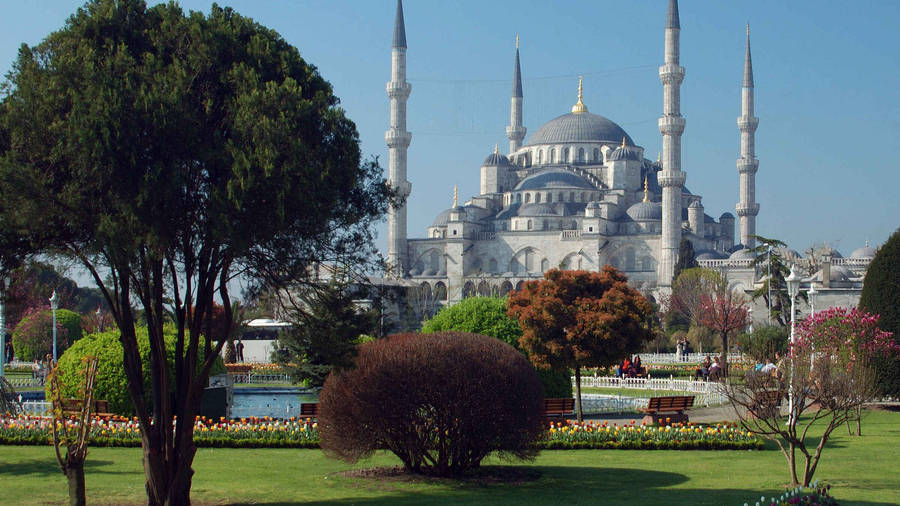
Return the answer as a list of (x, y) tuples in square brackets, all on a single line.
[(10, 352), (239, 349)]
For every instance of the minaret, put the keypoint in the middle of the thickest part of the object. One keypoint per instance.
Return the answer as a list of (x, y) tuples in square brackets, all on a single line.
[(515, 131), (747, 164), (671, 125), (398, 139)]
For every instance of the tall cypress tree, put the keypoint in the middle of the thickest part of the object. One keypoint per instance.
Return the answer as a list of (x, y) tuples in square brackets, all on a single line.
[(686, 258), (880, 294)]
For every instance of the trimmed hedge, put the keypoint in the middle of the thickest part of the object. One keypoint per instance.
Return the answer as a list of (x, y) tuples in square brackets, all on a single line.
[(111, 383)]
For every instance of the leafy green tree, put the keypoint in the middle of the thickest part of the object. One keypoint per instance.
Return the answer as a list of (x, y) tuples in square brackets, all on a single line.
[(880, 295), (477, 315), (686, 257), (772, 267), (327, 326), (168, 154), (578, 319), (487, 316), (764, 342)]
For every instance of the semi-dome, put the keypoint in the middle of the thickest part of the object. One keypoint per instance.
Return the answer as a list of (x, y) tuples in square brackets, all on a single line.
[(578, 127), (826, 250), (442, 218), (864, 252), (742, 254), (537, 210), (645, 211), (708, 254), (554, 178), (726, 216)]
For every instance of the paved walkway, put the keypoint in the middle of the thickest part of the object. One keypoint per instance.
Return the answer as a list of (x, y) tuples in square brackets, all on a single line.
[(713, 414)]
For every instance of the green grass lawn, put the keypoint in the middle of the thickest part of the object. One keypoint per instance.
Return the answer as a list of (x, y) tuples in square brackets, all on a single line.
[(862, 470)]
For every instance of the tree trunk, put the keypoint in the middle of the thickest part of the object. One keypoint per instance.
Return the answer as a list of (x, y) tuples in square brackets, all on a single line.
[(75, 477), (724, 354), (578, 393)]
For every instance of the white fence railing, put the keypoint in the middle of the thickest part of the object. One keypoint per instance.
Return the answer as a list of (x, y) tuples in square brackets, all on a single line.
[(18, 382), (257, 378), (36, 407), (706, 393), (597, 403), (686, 358)]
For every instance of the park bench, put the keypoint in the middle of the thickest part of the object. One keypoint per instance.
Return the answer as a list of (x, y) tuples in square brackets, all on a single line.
[(766, 404), (72, 407), (672, 407), (309, 410), (558, 407)]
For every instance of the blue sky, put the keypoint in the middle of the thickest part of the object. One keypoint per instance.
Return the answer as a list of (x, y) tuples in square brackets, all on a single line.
[(826, 72)]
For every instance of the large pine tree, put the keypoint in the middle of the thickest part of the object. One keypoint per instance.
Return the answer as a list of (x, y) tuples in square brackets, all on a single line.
[(880, 295)]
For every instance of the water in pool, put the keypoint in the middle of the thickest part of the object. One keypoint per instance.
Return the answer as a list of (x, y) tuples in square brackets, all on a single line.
[(273, 402)]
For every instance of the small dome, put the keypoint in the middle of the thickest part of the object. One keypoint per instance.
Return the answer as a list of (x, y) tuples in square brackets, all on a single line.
[(442, 218), (742, 254), (624, 153), (695, 205), (554, 178), (736, 247), (841, 273), (826, 250), (495, 159), (726, 216), (645, 211), (537, 210), (708, 254), (864, 252)]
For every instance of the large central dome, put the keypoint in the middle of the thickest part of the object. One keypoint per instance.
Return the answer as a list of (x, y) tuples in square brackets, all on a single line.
[(579, 127)]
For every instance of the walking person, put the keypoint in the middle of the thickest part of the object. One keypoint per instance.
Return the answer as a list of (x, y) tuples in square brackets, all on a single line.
[(239, 350)]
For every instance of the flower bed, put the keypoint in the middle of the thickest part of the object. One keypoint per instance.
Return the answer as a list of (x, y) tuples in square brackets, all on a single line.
[(303, 433), (208, 433), (678, 436)]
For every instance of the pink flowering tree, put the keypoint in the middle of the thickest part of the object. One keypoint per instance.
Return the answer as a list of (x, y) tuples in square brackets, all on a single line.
[(723, 311), (829, 380)]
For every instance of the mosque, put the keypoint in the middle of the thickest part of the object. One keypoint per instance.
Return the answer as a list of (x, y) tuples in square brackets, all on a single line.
[(578, 193)]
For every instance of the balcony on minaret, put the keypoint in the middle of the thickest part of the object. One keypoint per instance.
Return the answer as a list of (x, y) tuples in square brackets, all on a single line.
[(397, 139), (747, 124), (747, 166), (398, 89), (745, 209), (671, 73), (671, 125)]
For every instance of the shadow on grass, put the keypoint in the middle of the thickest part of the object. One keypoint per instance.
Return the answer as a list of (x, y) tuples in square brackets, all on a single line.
[(49, 466)]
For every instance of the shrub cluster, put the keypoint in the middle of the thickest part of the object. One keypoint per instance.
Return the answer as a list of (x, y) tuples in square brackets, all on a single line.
[(111, 383), (441, 402)]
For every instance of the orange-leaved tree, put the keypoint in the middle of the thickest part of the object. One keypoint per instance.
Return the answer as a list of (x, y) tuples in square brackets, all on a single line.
[(577, 319)]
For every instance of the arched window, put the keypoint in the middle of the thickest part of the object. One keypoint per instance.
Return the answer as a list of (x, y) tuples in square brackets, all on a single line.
[(484, 290), (530, 225), (571, 196), (529, 261), (549, 197), (537, 198), (545, 265), (505, 288), (583, 197), (581, 155), (527, 198), (492, 265), (440, 291), (540, 156), (629, 260), (553, 155), (468, 289), (596, 155), (519, 198), (565, 155), (559, 198)]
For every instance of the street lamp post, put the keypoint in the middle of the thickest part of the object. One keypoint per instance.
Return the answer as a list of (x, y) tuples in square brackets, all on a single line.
[(793, 288), (812, 294), (54, 305)]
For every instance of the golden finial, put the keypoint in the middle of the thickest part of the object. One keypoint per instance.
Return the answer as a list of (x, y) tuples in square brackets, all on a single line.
[(496, 149), (579, 106), (748, 29), (646, 189), (455, 196), (658, 158), (623, 141), (517, 39)]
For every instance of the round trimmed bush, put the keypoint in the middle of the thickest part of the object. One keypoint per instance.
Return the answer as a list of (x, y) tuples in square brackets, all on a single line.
[(33, 337), (111, 383), (441, 402)]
